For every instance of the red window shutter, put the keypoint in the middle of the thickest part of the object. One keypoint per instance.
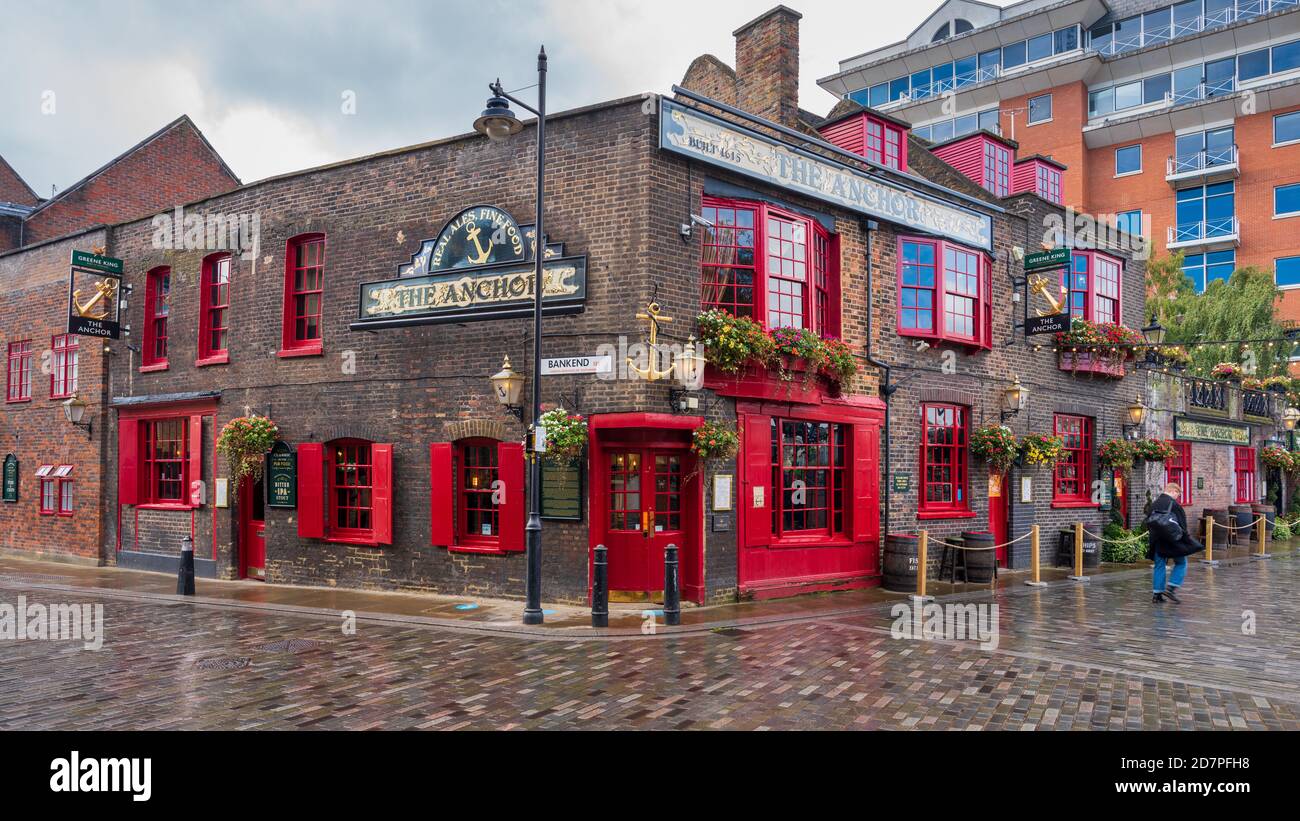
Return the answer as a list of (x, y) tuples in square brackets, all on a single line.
[(986, 265), (866, 483), (756, 456), (311, 491), (442, 489), (195, 455), (128, 462), (513, 509), (381, 457)]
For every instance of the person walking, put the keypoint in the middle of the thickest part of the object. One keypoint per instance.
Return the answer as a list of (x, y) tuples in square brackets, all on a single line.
[(1169, 540)]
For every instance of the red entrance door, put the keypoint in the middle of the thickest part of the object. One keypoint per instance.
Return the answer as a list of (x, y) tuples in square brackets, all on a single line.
[(252, 530), (645, 515), (998, 519)]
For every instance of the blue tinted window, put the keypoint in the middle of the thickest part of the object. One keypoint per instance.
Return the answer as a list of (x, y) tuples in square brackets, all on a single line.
[(1286, 271), (1128, 159), (1130, 222), (1252, 64), (1040, 47), (1286, 56), (965, 71), (897, 88), (1219, 265), (1286, 199), (1067, 39), (921, 84), (879, 95), (1155, 88), (1013, 55), (1194, 267), (989, 120), (1286, 127)]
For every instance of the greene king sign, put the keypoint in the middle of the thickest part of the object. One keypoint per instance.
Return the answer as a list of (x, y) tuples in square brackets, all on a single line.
[(693, 134)]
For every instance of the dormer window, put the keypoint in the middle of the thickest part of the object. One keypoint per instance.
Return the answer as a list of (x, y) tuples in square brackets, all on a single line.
[(882, 141)]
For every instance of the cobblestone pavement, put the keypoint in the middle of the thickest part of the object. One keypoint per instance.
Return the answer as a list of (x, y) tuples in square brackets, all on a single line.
[(1096, 656)]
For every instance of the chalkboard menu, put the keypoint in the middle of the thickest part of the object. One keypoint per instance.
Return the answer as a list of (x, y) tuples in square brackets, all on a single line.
[(11, 478), (562, 486), (281, 476)]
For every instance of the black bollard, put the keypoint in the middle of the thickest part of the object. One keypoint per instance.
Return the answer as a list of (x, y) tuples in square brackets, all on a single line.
[(600, 588), (672, 593), (185, 578)]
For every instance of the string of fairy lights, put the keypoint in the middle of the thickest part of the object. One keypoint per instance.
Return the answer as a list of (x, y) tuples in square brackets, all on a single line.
[(1225, 347)]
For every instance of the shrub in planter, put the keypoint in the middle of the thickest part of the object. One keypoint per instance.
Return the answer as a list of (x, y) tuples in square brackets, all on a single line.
[(1282, 531), (995, 444), (244, 442), (1121, 547), (566, 435), (731, 342)]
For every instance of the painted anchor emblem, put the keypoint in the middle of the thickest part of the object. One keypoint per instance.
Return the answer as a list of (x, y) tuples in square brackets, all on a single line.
[(1038, 284), (472, 233), (103, 294)]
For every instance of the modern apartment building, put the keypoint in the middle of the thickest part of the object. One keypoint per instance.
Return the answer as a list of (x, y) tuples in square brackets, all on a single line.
[(1180, 119)]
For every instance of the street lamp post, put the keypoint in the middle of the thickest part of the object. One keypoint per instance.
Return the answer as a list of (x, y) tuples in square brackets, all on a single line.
[(498, 123)]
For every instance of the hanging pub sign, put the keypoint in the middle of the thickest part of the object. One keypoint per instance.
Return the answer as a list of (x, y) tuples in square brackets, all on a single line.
[(1042, 260), (281, 476), (11, 478), (480, 267), (727, 145), (562, 491), (1055, 324), (94, 283)]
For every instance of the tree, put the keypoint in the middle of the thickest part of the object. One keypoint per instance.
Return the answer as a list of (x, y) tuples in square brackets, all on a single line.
[(1242, 307)]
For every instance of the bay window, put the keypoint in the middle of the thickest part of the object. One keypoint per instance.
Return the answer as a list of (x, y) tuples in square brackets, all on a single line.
[(214, 303), (1093, 286), (63, 374), (1072, 484), (771, 265), (304, 291), (943, 292), (945, 486), (886, 144), (157, 295), (19, 372), (160, 455)]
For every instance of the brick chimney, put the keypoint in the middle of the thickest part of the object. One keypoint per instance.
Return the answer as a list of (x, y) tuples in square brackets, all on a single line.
[(767, 66)]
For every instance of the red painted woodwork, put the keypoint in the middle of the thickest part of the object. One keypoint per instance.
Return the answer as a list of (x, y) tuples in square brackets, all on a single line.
[(1094, 284), (880, 141), (194, 451), (1038, 175), (642, 487), (999, 508), (128, 461), (293, 341), (940, 273), (1244, 467), (311, 490), (1072, 477), (157, 295), (1179, 469), (442, 490), (252, 529), (1087, 362), (865, 513), (967, 155), (513, 511), (214, 310), (381, 493)]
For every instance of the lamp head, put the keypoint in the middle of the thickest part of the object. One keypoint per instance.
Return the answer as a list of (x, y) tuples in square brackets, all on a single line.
[(497, 121), (507, 385)]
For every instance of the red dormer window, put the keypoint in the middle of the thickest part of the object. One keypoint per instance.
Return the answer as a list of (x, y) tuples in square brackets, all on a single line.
[(1048, 181), (880, 141), (1039, 176)]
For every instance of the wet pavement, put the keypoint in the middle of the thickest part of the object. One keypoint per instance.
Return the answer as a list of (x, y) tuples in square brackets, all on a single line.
[(1069, 656)]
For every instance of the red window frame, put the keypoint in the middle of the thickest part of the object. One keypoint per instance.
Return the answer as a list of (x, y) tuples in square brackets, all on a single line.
[(1072, 476), (157, 297), (1244, 467), (935, 280), (744, 266), (214, 310), (945, 460), (351, 476), (885, 144), (1179, 469), (1049, 183), (1094, 283), (997, 168), (19, 373), (478, 467), (821, 464), (49, 491), (65, 497), (163, 457), (63, 375), (304, 296)]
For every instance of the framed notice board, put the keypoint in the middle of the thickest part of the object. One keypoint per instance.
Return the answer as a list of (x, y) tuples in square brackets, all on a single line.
[(563, 490)]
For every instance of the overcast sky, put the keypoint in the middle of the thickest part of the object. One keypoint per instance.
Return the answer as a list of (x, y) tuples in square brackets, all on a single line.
[(80, 82)]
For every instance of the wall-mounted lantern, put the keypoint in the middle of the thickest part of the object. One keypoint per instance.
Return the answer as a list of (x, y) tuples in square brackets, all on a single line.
[(1136, 414), (74, 410), (1014, 399), (1290, 417), (506, 387)]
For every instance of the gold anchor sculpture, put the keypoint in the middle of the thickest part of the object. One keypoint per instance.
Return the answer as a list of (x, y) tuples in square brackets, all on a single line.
[(104, 293), (472, 234), (650, 374), (1038, 285)]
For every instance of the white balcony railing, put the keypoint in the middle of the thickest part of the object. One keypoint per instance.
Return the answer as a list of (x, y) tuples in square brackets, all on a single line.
[(1243, 10), (966, 78), (1203, 91), (1201, 161), (1208, 231)]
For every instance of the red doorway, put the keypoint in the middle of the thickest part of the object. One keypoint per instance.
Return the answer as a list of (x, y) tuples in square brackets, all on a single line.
[(645, 495), (999, 507), (252, 530)]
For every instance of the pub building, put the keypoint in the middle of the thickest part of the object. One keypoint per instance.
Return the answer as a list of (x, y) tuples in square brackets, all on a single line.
[(388, 291)]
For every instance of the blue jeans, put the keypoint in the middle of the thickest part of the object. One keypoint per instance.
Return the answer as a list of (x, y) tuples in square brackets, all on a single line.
[(1176, 580)]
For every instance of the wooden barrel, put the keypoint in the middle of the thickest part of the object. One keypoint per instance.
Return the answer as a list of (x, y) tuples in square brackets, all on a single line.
[(1065, 550), (900, 562), (1221, 519), (980, 564), (1242, 515), (1269, 512)]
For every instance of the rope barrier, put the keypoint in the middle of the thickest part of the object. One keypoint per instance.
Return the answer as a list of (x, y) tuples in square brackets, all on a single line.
[(993, 547), (1104, 540), (1243, 527)]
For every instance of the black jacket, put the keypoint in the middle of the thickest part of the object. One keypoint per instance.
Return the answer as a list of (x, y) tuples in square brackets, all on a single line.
[(1185, 546)]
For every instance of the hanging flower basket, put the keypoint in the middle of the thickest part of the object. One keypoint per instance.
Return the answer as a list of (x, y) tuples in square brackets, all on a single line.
[(715, 440), (995, 444), (1118, 454), (1278, 384), (1280, 459), (1042, 449), (566, 435), (1154, 450), (1227, 370), (244, 442)]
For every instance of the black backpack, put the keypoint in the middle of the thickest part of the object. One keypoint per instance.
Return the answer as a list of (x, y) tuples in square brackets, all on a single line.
[(1164, 526)]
